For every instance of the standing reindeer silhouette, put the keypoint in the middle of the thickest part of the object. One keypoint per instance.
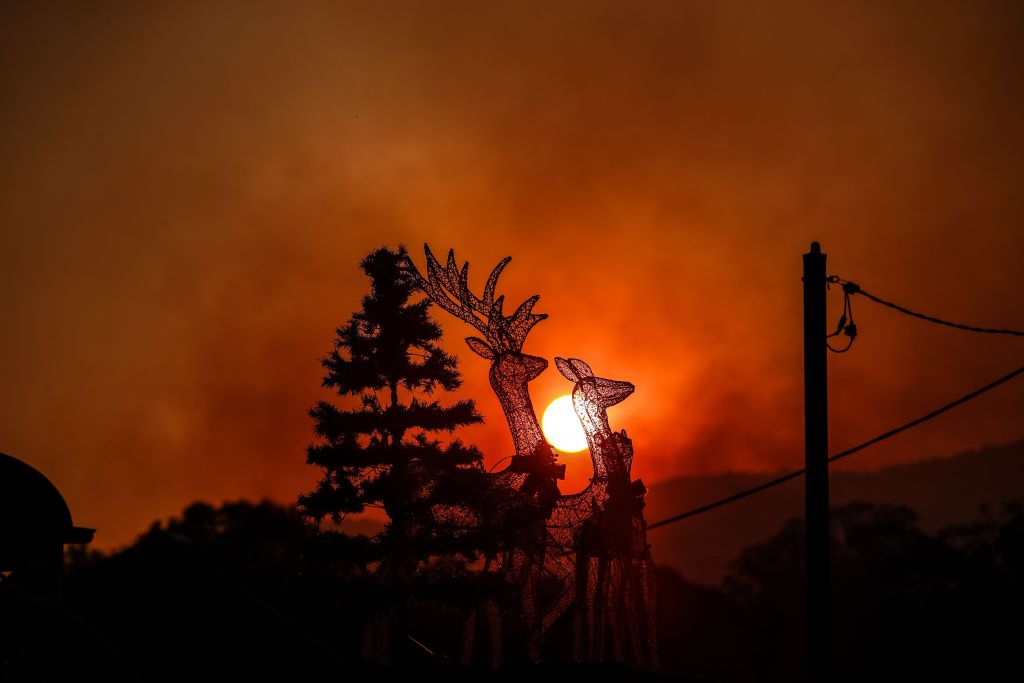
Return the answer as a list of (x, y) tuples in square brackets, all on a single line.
[(614, 570), (526, 490), (602, 526)]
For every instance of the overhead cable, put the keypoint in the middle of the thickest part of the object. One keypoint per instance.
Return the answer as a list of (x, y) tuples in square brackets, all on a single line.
[(854, 288), (850, 451)]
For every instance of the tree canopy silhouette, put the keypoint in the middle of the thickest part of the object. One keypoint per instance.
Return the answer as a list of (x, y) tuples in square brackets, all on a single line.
[(380, 449)]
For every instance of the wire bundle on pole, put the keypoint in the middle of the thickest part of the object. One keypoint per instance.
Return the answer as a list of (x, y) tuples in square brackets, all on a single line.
[(846, 324)]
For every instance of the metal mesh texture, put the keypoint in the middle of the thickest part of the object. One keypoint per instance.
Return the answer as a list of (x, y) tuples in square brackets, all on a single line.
[(594, 542)]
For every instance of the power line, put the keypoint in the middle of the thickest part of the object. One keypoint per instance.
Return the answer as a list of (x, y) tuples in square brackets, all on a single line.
[(731, 499), (854, 288), (850, 451)]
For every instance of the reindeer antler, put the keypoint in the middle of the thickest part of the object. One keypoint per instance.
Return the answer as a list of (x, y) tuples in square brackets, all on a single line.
[(448, 287)]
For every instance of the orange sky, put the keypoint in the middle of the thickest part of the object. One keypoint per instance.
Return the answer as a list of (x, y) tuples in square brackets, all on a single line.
[(186, 190)]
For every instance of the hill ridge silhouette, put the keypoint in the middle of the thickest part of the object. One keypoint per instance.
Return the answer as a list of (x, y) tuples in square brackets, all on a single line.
[(942, 490)]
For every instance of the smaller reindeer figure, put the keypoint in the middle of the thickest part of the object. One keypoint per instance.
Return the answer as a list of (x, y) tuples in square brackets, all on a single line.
[(614, 568)]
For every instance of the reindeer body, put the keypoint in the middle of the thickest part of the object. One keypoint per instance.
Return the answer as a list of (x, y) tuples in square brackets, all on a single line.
[(614, 571), (525, 491), (611, 573)]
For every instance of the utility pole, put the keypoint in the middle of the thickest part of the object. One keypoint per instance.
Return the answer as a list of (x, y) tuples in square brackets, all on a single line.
[(819, 594)]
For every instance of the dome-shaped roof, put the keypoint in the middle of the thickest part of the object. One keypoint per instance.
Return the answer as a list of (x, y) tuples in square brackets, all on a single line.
[(29, 499)]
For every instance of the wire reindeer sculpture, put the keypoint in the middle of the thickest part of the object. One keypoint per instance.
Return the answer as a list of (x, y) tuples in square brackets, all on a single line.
[(525, 492), (614, 587), (606, 580)]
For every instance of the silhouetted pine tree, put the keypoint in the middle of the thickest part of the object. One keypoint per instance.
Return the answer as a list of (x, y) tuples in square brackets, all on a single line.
[(381, 451)]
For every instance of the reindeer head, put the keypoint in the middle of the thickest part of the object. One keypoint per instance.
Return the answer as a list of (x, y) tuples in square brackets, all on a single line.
[(503, 335), (612, 454), (510, 366), (602, 393)]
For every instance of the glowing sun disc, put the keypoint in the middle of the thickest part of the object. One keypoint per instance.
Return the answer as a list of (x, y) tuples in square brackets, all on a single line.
[(561, 427)]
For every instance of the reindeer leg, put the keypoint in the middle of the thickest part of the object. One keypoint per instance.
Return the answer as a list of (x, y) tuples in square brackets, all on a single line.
[(614, 620), (524, 581), (530, 612), (593, 607), (468, 638), (494, 623), (487, 608), (650, 609), (630, 593), (383, 637), (538, 576), (580, 608), (368, 649), (566, 598), (600, 618)]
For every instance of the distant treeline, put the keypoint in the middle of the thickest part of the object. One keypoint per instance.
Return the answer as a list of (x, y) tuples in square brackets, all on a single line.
[(241, 591), (942, 491)]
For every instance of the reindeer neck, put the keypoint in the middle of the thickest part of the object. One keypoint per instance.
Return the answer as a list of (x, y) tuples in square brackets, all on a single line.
[(597, 431), (519, 413)]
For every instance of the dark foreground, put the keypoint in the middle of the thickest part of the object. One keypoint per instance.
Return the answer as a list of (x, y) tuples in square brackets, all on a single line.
[(228, 594)]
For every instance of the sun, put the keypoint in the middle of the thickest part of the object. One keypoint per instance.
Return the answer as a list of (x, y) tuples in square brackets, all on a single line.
[(561, 426)]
